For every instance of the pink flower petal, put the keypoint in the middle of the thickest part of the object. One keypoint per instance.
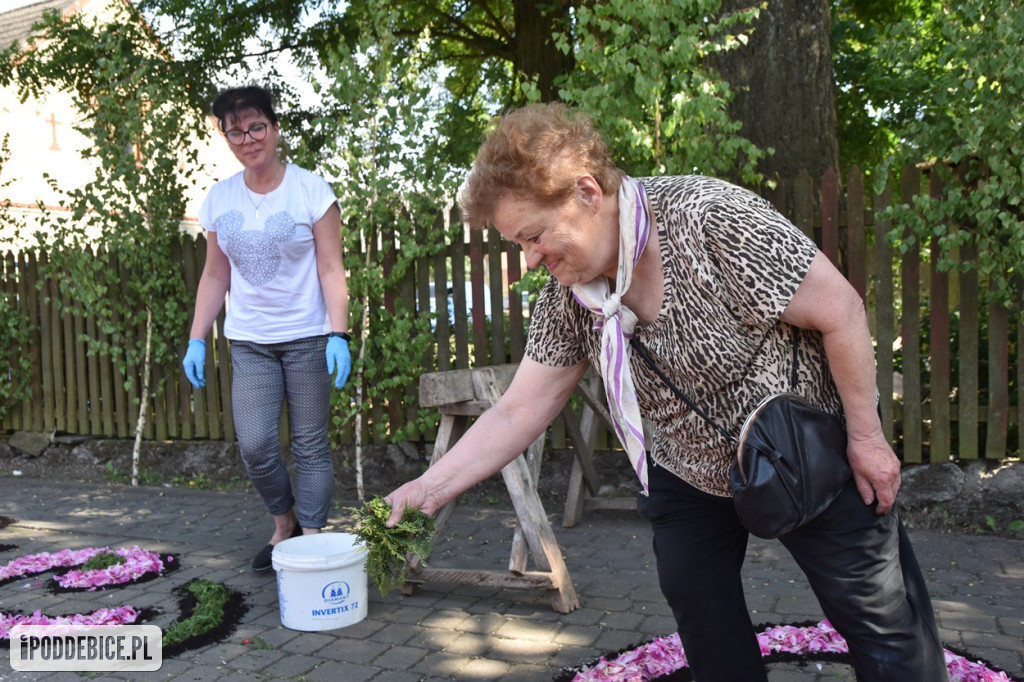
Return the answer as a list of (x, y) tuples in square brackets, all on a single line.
[(664, 655)]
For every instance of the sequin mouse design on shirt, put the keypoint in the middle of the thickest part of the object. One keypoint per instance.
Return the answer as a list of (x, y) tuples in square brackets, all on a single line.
[(254, 253)]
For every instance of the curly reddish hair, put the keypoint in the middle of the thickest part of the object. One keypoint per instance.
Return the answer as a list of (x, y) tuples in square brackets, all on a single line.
[(537, 152)]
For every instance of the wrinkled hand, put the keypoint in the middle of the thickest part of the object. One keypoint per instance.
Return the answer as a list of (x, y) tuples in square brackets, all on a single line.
[(876, 470), (338, 356), (195, 363), (412, 495)]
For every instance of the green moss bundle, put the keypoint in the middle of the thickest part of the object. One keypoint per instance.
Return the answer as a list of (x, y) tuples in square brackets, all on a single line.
[(210, 599), (388, 549), (102, 561)]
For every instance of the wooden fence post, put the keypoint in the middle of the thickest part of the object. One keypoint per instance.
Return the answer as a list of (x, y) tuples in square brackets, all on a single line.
[(496, 291), (516, 331), (442, 327), (9, 294), (459, 300), (856, 236), (32, 406), (938, 342), (885, 317), (997, 417), (910, 270), (803, 203), (968, 359), (476, 278), (830, 217)]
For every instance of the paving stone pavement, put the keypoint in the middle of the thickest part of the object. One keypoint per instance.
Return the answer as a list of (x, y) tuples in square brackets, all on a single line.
[(455, 632)]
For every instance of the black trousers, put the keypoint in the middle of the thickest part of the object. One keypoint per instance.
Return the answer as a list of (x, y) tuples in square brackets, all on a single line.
[(859, 564)]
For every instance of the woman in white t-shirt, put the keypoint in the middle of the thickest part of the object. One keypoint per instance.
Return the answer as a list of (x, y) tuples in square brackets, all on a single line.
[(274, 242)]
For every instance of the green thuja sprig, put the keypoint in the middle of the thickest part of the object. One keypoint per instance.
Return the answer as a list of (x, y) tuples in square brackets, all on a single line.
[(211, 598), (387, 549), (102, 560)]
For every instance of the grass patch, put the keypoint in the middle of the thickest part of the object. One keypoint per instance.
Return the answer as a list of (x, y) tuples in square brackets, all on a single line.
[(117, 475), (200, 482)]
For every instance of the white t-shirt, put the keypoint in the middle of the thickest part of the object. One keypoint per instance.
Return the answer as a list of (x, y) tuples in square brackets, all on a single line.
[(268, 239)]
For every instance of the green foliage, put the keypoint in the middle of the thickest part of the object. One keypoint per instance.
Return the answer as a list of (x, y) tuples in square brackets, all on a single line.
[(640, 71), (115, 250), (15, 330), (210, 600), (114, 473), (467, 47), (637, 66), (391, 191), (16, 362), (992, 526), (966, 95), (388, 548), (875, 97), (103, 560)]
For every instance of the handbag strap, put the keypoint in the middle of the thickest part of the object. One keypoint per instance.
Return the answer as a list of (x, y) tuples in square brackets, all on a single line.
[(635, 342), (679, 394), (796, 359)]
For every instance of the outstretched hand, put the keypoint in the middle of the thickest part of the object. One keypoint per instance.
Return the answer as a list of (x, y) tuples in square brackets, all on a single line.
[(338, 357)]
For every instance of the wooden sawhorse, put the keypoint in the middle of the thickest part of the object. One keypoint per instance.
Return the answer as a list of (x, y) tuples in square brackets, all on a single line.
[(461, 394), (584, 487)]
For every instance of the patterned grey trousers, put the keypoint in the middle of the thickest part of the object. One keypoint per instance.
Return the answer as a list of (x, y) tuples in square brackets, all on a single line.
[(264, 375)]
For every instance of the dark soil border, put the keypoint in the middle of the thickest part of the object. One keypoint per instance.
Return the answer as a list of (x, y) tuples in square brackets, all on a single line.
[(234, 610)]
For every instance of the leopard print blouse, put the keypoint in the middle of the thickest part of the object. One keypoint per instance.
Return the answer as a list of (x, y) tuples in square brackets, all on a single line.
[(732, 263)]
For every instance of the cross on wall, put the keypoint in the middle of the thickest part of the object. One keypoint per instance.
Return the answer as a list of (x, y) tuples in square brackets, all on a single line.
[(53, 128)]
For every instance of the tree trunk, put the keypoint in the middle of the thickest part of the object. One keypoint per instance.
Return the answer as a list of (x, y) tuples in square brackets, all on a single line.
[(534, 48), (140, 423), (360, 379), (784, 84)]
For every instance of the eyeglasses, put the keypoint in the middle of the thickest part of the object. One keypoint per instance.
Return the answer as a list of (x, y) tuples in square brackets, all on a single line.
[(256, 132)]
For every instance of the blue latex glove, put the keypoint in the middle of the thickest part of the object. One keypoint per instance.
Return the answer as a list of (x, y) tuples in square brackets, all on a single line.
[(195, 363), (338, 356)]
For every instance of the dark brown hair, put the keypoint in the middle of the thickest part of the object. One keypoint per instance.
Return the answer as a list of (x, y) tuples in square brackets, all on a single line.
[(234, 101)]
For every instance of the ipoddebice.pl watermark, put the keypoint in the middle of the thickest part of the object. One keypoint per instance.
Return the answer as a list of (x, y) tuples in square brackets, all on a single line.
[(86, 648)]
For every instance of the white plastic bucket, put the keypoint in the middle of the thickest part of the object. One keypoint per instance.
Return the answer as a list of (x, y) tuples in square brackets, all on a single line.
[(321, 581)]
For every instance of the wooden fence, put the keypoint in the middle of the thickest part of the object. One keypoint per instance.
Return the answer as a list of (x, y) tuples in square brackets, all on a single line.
[(949, 366)]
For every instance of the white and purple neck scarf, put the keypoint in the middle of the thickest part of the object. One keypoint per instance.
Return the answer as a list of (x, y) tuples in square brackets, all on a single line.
[(617, 322)]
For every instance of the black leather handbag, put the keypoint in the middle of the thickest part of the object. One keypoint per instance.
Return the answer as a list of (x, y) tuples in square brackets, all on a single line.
[(790, 465), (790, 458)]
